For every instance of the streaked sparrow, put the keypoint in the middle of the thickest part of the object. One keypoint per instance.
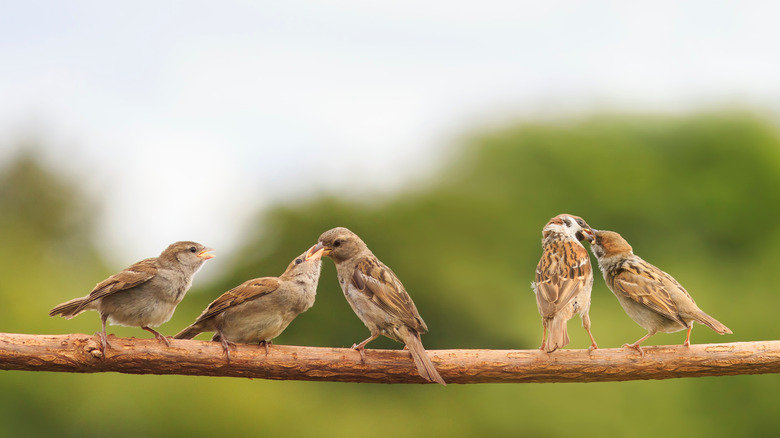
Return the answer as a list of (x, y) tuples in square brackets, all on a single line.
[(145, 294), (377, 296), (564, 279), (650, 296), (259, 310)]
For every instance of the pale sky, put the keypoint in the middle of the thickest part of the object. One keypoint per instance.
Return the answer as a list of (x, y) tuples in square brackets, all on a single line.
[(187, 116)]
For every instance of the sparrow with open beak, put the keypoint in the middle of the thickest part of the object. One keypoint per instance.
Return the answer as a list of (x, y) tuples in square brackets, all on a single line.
[(145, 294), (259, 310), (377, 296), (564, 279), (650, 296)]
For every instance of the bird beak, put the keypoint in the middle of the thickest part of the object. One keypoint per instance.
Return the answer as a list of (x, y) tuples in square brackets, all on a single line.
[(316, 252), (205, 255), (589, 234)]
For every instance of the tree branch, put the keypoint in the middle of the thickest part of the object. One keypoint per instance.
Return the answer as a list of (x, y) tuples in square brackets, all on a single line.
[(79, 353)]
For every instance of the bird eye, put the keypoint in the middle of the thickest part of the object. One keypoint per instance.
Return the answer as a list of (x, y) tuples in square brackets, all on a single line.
[(193, 249), (298, 261), (337, 243)]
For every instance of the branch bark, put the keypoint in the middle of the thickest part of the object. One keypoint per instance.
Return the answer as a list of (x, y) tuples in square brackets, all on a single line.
[(80, 353)]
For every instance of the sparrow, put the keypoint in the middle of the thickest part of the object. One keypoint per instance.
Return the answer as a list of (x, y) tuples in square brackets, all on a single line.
[(145, 294), (377, 297), (259, 310), (564, 279), (650, 296)]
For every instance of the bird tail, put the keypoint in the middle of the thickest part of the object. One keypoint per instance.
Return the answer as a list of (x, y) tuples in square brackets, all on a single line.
[(713, 323), (421, 360), (69, 309), (557, 334), (189, 332)]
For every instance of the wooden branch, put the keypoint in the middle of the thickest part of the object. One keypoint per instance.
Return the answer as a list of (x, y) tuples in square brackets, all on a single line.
[(79, 353)]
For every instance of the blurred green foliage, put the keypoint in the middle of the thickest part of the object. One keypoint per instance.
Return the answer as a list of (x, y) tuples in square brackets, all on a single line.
[(698, 196)]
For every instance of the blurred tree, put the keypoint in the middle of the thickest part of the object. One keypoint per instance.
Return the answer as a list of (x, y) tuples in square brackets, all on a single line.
[(47, 205), (46, 228)]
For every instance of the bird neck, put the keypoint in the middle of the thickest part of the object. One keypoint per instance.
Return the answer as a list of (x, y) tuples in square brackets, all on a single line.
[(552, 235), (613, 261)]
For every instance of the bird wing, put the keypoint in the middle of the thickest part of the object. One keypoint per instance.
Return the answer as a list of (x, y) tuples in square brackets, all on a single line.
[(134, 275), (247, 291), (647, 285), (380, 284), (562, 273)]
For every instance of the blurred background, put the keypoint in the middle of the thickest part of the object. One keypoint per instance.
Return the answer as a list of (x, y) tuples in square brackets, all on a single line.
[(445, 135)]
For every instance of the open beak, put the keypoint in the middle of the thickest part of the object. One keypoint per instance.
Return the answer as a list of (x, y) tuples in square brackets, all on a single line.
[(589, 234), (205, 254), (315, 252)]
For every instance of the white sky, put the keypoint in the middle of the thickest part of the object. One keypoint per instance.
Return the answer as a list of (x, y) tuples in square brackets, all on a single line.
[(188, 115)]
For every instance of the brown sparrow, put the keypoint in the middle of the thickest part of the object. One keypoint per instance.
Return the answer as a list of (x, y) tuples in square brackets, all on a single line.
[(259, 310), (564, 279), (650, 296), (377, 296), (145, 294)]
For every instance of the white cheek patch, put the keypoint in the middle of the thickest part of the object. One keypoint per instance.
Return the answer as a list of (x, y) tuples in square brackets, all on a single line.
[(570, 231)]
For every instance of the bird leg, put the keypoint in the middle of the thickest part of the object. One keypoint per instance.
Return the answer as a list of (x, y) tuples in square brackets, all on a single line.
[(361, 347), (544, 336), (586, 325), (636, 346), (157, 335), (687, 342), (265, 344), (226, 346), (103, 335)]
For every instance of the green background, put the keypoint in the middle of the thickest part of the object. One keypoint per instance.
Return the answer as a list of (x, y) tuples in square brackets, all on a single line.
[(697, 195)]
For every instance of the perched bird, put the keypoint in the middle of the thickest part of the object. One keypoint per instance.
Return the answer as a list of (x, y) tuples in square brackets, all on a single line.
[(145, 294), (259, 310), (650, 296), (564, 279), (377, 296)]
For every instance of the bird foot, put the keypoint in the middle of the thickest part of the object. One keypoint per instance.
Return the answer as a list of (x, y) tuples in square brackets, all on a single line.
[(103, 342), (226, 346), (636, 347), (266, 344), (362, 351), (592, 347)]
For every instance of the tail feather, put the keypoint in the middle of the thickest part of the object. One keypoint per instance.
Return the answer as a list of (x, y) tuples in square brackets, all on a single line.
[(69, 309), (713, 323), (557, 334), (421, 360), (189, 332)]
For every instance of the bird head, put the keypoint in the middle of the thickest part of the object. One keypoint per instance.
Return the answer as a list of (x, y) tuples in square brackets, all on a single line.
[(306, 264), (339, 244), (569, 225), (609, 243), (188, 254)]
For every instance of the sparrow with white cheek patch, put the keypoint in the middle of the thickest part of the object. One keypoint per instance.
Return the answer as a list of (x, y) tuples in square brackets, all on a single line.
[(564, 279), (377, 296), (259, 310), (145, 294), (650, 296)]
